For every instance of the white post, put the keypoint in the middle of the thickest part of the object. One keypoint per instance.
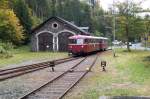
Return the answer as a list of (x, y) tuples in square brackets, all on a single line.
[(37, 43), (57, 44), (114, 26)]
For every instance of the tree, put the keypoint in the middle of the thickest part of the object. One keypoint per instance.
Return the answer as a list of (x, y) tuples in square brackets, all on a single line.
[(22, 12), (4, 4), (97, 33), (53, 7), (129, 25), (147, 23), (40, 8), (10, 28), (85, 16), (98, 19)]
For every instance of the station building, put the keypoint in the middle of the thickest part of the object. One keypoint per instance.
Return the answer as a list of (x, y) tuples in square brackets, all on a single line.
[(52, 35)]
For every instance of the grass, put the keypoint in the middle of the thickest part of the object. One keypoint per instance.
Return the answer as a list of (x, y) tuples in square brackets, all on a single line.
[(128, 74), (23, 54)]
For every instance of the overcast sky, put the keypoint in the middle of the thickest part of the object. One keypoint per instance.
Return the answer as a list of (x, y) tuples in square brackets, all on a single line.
[(107, 3)]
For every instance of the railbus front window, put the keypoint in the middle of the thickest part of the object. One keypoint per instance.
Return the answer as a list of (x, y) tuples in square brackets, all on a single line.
[(80, 41)]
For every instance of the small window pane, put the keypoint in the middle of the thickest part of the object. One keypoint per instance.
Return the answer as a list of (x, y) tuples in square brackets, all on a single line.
[(80, 41)]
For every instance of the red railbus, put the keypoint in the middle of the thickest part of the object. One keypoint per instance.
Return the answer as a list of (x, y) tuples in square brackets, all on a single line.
[(81, 44)]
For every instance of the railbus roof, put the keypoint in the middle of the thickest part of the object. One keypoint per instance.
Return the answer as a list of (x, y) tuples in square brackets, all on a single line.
[(86, 37)]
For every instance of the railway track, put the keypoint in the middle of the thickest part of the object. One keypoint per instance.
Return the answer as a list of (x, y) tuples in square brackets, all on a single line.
[(17, 71), (58, 87)]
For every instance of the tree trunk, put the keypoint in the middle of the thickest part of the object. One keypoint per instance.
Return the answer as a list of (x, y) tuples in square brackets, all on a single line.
[(54, 7), (127, 37)]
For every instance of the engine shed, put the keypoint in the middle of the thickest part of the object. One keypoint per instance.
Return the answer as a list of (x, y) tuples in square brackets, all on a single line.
[(52, 35)]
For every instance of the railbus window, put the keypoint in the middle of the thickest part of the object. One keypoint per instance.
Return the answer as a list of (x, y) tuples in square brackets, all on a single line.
[(100, 41), (80, 41), (104, 41), (72, 41), (91, 40), (86, 41), (97, 40)]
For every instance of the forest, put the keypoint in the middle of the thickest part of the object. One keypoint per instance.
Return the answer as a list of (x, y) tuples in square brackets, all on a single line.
[(19, 17)]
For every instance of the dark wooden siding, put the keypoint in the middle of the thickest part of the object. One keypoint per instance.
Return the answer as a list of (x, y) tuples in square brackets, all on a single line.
[(63, 41)]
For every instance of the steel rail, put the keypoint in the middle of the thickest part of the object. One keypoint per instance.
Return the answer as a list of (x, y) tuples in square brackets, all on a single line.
[(61, 76), (14, 72), (25, 96), (1, 70), (62, 95)]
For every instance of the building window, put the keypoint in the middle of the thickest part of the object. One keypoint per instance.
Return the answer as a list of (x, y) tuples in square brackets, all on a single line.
[(55, 25)]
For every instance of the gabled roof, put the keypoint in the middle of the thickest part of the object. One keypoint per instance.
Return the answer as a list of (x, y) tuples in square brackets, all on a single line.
[(63, 21)]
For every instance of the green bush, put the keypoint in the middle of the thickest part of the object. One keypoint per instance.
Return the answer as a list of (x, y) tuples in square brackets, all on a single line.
[(5, 50)]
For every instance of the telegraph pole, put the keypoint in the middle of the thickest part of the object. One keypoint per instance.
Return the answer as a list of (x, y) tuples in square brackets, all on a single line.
[(114, 20), (114, 28)]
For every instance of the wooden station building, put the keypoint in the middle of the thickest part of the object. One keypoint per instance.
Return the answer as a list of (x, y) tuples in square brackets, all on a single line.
[(52, 35)]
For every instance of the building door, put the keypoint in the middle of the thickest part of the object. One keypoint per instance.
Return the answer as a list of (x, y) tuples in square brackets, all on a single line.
[(45, 42), (63, 41)]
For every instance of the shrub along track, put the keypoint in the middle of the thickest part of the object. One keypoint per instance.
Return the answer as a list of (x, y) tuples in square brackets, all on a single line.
[(59, 86), (17, 71)]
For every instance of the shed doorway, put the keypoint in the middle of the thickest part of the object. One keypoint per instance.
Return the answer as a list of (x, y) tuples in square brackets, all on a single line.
[(45, 41)]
